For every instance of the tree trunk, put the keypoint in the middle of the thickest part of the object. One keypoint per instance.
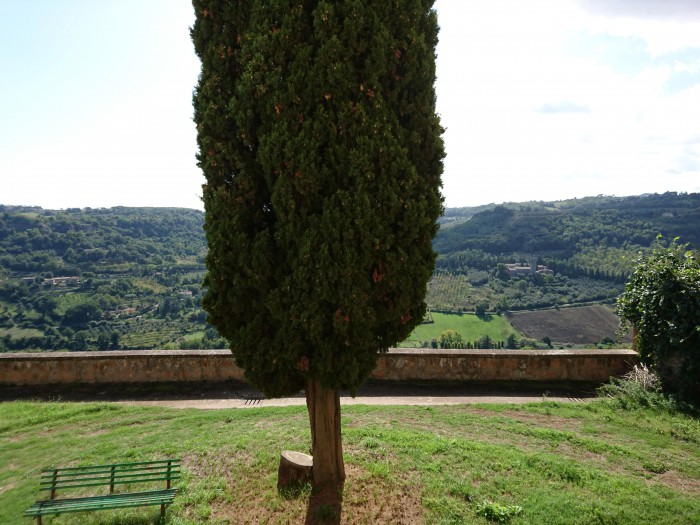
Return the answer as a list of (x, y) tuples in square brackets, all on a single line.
[(327, 446), (327, 449)]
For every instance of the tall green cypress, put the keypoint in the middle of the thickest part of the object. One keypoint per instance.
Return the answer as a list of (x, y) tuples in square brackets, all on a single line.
[(322, 153)]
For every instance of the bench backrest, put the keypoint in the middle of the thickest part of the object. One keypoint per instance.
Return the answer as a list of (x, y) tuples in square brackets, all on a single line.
[(112, 474)]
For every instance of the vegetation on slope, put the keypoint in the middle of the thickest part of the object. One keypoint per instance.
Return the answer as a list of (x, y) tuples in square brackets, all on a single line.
[(101, 279), (139, 270), (590, 244)]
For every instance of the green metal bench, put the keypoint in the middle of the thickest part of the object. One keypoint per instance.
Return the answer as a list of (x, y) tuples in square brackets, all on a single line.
[(148, 472)]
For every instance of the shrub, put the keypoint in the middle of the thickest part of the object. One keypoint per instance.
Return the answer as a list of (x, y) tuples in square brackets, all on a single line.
[(497, 513), (639, 388), (662, 302), (451, 339)]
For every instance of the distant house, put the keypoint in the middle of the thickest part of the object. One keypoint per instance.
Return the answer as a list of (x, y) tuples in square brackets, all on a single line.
[(519, 269), (66, 281)]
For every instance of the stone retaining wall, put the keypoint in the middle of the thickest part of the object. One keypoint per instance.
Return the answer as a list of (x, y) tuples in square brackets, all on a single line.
[(541, 366), (589, 366)]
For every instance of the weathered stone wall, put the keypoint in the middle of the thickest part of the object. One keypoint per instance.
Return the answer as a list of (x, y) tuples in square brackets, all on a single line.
[(589, 366)]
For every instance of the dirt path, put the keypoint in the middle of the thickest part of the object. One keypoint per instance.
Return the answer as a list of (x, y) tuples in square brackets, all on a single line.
[(373, 395), (212, 396)]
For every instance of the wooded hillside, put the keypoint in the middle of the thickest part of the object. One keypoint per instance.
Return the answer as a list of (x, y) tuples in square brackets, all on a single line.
[(124, 278), (113, 278), (591, 245)]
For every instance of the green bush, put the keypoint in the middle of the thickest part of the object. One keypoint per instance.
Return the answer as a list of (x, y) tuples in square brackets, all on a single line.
[(498, 513), (640, 388), (662, 302)]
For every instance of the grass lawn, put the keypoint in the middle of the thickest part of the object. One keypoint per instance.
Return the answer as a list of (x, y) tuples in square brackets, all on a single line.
[(543, 463), (17, 333), (497, 327), (193, 336)]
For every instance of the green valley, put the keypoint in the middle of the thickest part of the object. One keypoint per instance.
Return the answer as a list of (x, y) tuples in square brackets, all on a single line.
[(130, 278)]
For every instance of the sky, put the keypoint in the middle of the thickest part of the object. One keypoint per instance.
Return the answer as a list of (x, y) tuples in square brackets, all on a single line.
[(541, 100)]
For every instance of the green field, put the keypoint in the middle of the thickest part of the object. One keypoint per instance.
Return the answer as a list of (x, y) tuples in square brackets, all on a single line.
[(20, 332), (469, 325), (559, 464)]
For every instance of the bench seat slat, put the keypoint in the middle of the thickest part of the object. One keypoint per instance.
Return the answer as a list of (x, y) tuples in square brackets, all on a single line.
[(144, 472), (113, 501), (100, 482), (110, 465), (58, 473)]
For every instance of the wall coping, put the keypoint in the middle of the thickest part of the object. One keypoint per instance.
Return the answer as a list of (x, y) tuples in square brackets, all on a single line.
[(34, 356), (433, 352), (426, 352)]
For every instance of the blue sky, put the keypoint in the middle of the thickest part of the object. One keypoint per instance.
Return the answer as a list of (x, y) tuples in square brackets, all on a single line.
[(542, 100)]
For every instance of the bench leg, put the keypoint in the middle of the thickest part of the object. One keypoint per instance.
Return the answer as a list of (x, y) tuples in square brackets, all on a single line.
[(162, 511), (38, 520)]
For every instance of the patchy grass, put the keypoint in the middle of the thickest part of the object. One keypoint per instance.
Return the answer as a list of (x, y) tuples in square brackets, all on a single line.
[(540, 463)]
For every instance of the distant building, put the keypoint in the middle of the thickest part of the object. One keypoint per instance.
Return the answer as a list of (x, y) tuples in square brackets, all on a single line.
[(68, 281), (517, 269)]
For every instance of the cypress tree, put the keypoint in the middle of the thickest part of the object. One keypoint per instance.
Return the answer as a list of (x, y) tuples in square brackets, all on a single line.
[(322, 154)]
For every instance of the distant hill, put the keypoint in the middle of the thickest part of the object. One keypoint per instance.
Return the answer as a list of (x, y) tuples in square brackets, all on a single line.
[(557, 227), (36, 240), (590, 244), (112, 278), (131, 277)]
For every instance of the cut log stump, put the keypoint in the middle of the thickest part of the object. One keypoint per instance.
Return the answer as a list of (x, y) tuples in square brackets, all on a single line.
[(296, 469)]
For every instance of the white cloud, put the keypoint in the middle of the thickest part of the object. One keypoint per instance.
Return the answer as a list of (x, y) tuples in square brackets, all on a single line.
[(645, 9), (563, 107), (546, 103)]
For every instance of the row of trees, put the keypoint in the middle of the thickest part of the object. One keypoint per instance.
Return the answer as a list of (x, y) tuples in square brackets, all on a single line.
[(596, 267), (452, 339)]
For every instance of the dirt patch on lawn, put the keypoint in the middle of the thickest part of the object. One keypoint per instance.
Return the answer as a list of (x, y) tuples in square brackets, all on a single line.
[(366, 499), (371, 499), (250, 495), (677, 481), (539, 420)]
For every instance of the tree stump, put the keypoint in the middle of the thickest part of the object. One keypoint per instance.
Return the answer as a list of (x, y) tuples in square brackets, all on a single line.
[(296, 469)]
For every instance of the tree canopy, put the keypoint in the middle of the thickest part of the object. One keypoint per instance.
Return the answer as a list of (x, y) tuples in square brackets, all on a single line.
[(322, 154)]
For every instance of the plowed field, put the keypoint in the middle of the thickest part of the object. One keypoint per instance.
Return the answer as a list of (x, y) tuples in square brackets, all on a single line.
[(576, 325)]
